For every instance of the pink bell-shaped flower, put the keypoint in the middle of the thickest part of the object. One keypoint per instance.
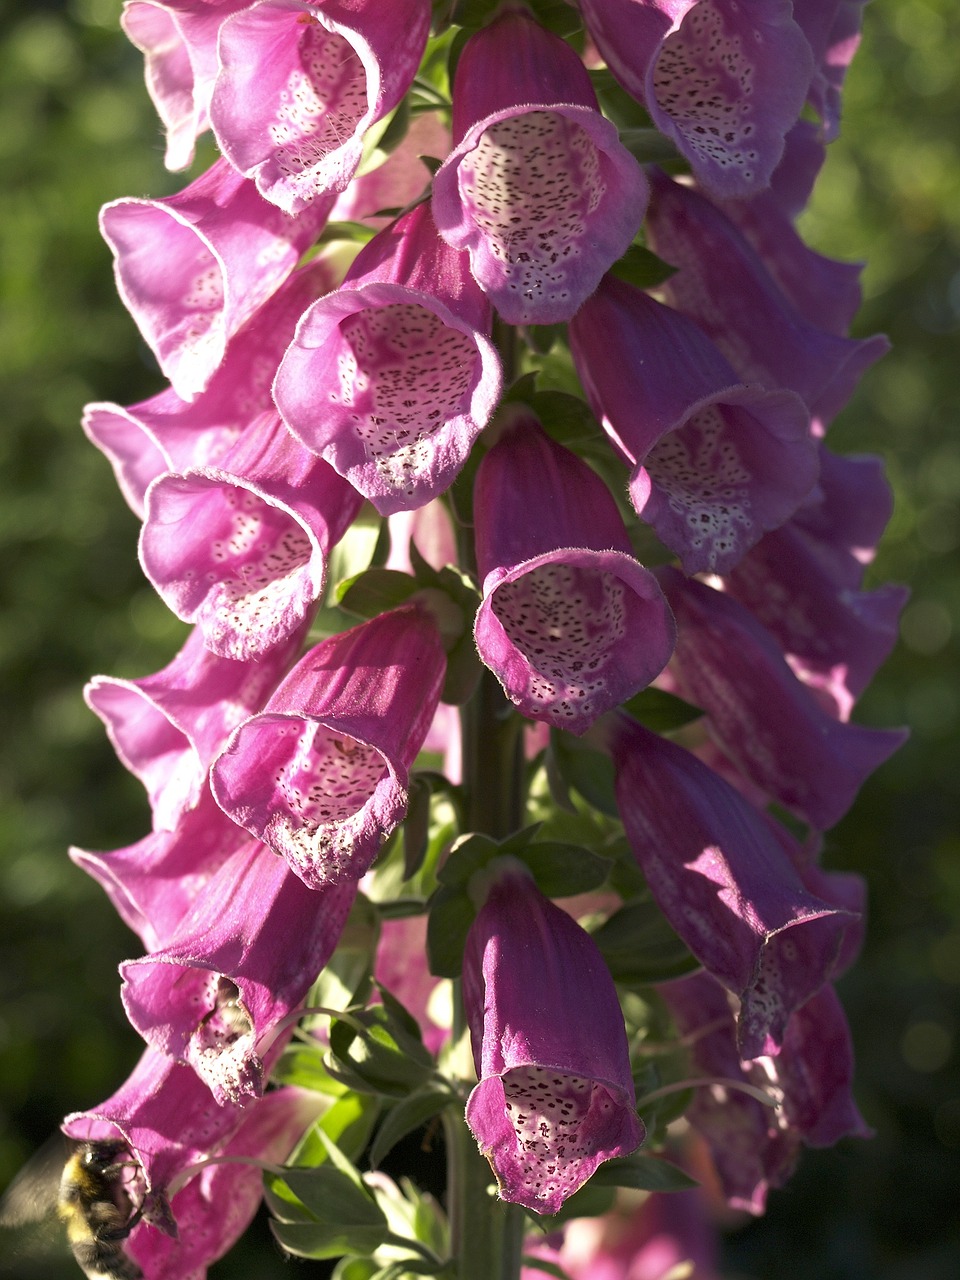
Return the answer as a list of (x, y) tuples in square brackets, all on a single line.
[(300, 84), (571, 624), (762, 716), (538, 188), (178, 39), (556, 1095), (392, 377), (724, 882), (167, 433), (723, 79), (243, 959), (321, 774), (194, 267), (241, 549), (166, 728), (716, 462)]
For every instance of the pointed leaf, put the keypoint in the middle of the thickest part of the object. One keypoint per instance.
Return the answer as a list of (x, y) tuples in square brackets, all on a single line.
[(406, 1116)]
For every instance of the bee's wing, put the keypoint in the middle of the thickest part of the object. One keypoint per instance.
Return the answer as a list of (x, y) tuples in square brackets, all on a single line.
[(30, 1233)]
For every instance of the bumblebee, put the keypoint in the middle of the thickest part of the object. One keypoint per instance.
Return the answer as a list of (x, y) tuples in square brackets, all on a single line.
[(97, 1210)]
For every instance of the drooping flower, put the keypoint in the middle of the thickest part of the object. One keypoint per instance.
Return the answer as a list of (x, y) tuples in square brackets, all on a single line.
[(538, 188), (763, 717), (241, 549), (571, 624), (166, 728), (300, 84), (321, 773), (556, 1096), (154, 883), (392, 377), (832, 28), (723, 79), (167, 433), (238, 964), (218, 1203), (178, 39), (724, 882), (715, 462), (725, 287), (803, 583), (755, 1147), (194, 267)]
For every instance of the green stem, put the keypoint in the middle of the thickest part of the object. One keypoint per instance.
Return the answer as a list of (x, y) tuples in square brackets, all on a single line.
[(486, 1235)]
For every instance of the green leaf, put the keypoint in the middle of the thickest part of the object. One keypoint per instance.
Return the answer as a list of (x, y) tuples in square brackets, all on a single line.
[(557, 16), (618, 105), (640, 947), (568, 419), (349, 1122), (374, 591), (642, 268), (660, 711), (355, 1269), (451, 915), (649, 146), (468, 855), (562, 870), (386, 1056), (532, 1263), (346, 978), (409, 1114), (319, 1240), (587, 771), (642, 1173), (327, 1194), (416, 826)]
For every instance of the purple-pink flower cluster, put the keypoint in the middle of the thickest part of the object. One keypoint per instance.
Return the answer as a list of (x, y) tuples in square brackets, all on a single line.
[(278, 753)]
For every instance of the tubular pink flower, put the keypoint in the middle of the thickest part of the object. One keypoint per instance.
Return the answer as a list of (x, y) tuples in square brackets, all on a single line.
[(802, 583), (243, 959), (300, 84), (538, 189), (725, 883), (166, 728), (716, 463), (724, 79), (429, 530), (571, 624), (392, 377), (824, 291), (556, 1096), (832, 28), (166, 433), (321, 774), (154, 883), (241, 549), (724, 286), (218, 1204), (194, 267), (178, 39), (755, 1147), (760, 714)]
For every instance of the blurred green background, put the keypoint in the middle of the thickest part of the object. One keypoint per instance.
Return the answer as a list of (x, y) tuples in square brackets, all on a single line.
[(77, 129)]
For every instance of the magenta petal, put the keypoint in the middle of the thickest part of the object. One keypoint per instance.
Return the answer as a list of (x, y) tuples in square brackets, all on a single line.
[(221, 983), (716, 462), (218, 1204), (724, 883), (194, 267), (241, 549), (392, 377), (724, 286), (556, 1096), (321, 774), (723, 79), (179, 42), (166, 433), (832, 28), (762, 716), (167, 728), (154, 883), (539, 189), (570, 623), (300, 84)]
